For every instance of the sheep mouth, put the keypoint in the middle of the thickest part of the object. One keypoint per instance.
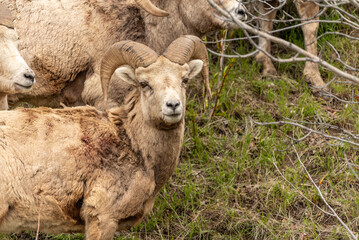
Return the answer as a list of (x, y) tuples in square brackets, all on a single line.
[(173, 115), (24, 86), (172, 118)]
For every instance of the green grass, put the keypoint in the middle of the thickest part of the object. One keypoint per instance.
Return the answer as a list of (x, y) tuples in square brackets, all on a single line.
[(226, 185)]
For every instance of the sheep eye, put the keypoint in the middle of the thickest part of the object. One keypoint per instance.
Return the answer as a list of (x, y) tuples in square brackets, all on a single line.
[(185, 81), (144, 84)]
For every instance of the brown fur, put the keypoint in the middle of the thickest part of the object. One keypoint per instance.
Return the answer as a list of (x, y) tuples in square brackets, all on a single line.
[(72, 36), (93, 172), (306, 10)]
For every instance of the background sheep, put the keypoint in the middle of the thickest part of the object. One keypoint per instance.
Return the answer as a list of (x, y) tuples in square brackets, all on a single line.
[(307, 11), (94, 172), (15, 75), (71, 36)]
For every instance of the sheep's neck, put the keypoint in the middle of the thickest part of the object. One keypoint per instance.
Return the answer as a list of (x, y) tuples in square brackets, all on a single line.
[(160, 32), (3, 101), (159, 148)]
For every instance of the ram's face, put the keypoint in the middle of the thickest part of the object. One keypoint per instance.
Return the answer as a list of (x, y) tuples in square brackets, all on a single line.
[(203, 17), (16, 76), (162, 86)]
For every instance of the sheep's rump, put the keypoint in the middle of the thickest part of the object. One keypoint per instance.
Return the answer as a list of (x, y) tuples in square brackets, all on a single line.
[(53, 159)]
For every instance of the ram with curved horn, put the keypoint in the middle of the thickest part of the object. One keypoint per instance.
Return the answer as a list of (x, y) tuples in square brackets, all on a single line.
[(99, 172), (70, 37), (15, 74)]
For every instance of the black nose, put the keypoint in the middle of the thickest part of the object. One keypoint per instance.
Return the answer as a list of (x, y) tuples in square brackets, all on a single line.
[(241, 12), (173, 104), (30, 76)]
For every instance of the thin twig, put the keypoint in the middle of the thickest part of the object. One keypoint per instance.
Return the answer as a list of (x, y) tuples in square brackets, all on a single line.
[(220, 73), (353, 236), (351, 167), (306, 128), (298, 191), (38, 221)]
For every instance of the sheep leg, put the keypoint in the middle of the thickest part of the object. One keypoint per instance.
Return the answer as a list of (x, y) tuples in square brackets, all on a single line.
[(266, 24), (135, 220), (98, 211), (307, 10), (3, 210), (101, 227)]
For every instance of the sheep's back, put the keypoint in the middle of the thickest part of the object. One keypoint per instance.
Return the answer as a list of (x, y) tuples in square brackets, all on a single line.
[(51, 157)]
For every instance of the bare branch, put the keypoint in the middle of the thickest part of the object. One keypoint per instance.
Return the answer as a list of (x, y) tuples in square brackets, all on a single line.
[(234, 56), (355, 3), (308, 55), (299, 192), (38, 221), (306, 128), (337, 33), (353, 236), (339, 60), (351, 167)]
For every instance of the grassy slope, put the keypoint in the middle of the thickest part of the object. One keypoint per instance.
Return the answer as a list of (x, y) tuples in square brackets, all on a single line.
[(226, 186)]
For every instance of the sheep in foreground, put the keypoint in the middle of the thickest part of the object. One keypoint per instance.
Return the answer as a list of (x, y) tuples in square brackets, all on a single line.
[(71, 35), (15, 74), (97, 172)]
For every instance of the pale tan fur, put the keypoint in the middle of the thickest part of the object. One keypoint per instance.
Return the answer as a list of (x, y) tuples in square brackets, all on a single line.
[(13, 68), (306, 10), (90, 171), (72, 35)]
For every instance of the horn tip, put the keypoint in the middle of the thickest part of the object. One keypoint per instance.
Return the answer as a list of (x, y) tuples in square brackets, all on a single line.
[(151, 9), (160, 13), (165, 14)]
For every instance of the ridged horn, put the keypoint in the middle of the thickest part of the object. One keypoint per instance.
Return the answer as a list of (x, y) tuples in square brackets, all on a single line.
[(148, 6), (6, 17), (186, 48), (121, 53)]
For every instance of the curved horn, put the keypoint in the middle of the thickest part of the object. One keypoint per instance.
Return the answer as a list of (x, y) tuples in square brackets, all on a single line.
[(6, 17), (189, 47), (121, 53), (151, 9)]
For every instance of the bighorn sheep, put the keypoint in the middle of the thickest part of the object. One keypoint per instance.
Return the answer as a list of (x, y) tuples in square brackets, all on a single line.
[(307, 11), (71, 36), (15, 75), (97, 172)]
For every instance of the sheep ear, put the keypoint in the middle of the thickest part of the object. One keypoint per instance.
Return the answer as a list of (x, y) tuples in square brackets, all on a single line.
[(195, 66), (127, 74)]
